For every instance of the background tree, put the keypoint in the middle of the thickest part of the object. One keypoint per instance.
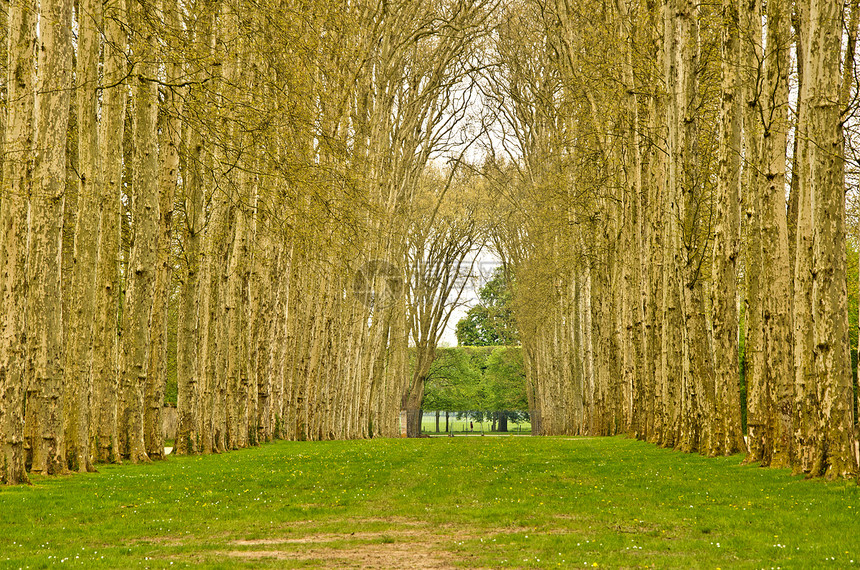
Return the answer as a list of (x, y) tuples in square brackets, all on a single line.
[(444, 242), (491, 321), (489, 381)]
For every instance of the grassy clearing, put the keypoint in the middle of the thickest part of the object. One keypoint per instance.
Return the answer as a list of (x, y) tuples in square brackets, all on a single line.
[(428, 425), (434, 503)]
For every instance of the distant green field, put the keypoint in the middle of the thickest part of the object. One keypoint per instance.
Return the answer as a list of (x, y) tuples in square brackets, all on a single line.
[(428, 425), (471, 502)]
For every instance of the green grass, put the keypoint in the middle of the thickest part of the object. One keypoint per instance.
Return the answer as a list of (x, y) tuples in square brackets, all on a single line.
[(471, 502), (428, 425)]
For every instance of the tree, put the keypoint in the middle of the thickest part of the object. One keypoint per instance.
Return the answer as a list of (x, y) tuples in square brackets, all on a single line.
[(141, 264), (445, 241), (79, 353), (105, 338), (506, 385), (453, 379), (45, 381), (727, 232), (486, 381), (17, 172), (169, 141), (491, 321), (824, 186)]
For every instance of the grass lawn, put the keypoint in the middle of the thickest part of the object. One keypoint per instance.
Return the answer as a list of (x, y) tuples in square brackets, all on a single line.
[(493, 502), (428, 425)]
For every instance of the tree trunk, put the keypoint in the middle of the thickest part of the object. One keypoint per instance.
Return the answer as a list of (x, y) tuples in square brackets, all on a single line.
[(414, 396), (808, 439), (17, 178), (672, 362), (831, 352), (776, 282), (728, 434), (105, 339), (631, 294), (83, 299), (236, 356), (189, 334), (142, 257), (755, 371), (45, 316), (156, 377), (845, 95), (413, 407), (206, 337)]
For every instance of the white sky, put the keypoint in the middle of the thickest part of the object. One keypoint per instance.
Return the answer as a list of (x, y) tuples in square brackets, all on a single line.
[(484, 267)]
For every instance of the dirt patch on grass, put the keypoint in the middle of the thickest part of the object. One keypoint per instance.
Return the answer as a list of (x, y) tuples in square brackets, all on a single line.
[(375, 555), (333, 537), (419, 545), (409, 544), (406, 548), (391, 520)]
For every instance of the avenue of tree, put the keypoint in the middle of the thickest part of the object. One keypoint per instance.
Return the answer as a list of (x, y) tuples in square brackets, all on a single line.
[(669, 197), (482, 381), (293, 184)]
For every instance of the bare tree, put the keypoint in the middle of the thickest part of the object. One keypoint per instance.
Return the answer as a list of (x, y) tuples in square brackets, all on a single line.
[(444, 241)]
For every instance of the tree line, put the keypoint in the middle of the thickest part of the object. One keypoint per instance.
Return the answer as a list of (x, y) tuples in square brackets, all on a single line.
[(675, 176), (261, 171), (478, 379), (292, 180)]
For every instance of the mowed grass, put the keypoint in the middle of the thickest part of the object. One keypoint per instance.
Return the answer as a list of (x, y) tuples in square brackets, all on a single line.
[(428, 426), (492, 502)]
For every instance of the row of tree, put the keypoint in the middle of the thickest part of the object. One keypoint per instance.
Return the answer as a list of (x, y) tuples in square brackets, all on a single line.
[(255, 173), (268, 173), (676, 181), (490, 379)]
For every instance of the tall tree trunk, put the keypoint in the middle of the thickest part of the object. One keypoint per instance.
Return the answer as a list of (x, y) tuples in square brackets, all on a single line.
[(79, 353), (235, 353), (832, 360), (755, 372), (189, 336), (807, 436), (207, 318), (17, 173), (727, 423), (776, 282), (142, 257), (847, 104), (105, 339), (632, 269), (697, 385), (45, 316), (169, 142), (672, 342), (656, 308)]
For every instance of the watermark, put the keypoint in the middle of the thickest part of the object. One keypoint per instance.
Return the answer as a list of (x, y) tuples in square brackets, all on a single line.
[(377, 284)]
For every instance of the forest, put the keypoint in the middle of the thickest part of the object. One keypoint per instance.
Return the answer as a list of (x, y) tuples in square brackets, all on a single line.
[(281, 203)]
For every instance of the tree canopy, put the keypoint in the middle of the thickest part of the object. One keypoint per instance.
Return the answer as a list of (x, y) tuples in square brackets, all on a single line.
[(490, 379), (283, 199), (491, 321)]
